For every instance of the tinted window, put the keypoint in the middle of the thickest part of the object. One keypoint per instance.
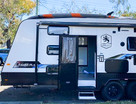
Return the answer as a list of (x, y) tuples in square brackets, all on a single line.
[(131, 43), (53, 50), (4, 51), (55, 30)]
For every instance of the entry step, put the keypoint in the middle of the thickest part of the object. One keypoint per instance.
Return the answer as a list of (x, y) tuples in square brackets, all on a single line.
[(86, 96), (86, 88), (86, 82)]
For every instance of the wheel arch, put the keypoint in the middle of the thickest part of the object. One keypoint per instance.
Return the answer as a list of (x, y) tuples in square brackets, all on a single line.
[(112, 80)]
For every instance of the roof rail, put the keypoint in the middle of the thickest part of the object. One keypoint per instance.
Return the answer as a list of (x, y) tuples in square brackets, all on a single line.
[(70, 15)]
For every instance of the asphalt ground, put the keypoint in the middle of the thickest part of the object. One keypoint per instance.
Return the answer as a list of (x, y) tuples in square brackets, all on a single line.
[(38, 95)]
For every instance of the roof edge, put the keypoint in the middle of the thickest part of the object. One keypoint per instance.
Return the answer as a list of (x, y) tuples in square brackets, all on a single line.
[(71, 15)]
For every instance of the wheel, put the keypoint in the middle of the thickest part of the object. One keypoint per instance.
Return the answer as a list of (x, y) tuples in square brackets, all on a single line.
[(1, 62), (131, 90), (98, 95), (113, 91)]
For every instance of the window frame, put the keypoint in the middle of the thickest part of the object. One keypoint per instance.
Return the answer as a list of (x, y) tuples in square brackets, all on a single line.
[(56, 26), (47, 51), (128, 45)]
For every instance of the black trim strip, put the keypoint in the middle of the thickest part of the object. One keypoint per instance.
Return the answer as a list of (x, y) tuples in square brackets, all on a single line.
[(28, 78), (93, 24), (36, 53)]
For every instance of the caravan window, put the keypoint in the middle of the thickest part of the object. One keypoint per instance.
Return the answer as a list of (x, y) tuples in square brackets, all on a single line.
[(57, 30), (53, 50), (131, 43)]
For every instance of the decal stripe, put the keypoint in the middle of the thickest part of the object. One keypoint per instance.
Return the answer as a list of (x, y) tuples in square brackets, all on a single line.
[(47, 15), (70, 15), (76, 15)]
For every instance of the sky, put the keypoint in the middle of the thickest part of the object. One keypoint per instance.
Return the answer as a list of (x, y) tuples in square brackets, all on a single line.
[(100, 6)]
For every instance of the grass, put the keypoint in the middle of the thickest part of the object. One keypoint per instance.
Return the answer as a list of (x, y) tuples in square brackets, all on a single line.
[(108, 102), (117, 102)]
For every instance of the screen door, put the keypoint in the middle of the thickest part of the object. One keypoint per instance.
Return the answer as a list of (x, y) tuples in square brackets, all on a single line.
[(68, 63)]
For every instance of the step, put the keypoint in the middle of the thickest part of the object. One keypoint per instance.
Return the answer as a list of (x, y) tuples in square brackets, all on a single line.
[(86, 96), (86, 88), (86, 82)]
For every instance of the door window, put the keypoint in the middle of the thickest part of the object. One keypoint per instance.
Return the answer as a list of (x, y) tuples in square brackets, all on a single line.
[(68, 50)]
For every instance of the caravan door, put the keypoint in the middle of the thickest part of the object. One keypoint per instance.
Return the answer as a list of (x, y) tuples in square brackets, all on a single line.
[(68, 63)]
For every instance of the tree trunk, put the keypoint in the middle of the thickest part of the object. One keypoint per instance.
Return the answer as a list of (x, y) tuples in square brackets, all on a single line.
[(9, 43)]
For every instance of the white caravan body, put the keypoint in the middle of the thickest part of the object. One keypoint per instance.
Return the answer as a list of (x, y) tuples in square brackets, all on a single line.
[(36, 56)]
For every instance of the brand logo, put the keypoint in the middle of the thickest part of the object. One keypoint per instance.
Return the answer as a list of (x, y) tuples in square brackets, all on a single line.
[(106, 41)]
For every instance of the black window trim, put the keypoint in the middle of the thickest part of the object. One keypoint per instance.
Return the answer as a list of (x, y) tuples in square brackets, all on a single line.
[(134, 59), (56, 26), (48, 50)]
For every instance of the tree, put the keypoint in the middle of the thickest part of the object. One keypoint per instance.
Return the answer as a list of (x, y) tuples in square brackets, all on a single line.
[(11, 13), (122, 7)]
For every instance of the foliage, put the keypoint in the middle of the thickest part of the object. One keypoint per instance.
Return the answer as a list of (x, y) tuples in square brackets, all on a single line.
[(11, 13), (122, 8), (117, 102), (120, 4)]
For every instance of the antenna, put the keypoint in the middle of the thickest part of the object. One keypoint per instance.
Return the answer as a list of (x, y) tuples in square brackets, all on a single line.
[(110, 13)]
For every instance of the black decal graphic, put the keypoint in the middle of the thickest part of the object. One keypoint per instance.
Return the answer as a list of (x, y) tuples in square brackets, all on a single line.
[(101, 58), (25, 64), (106, 41)]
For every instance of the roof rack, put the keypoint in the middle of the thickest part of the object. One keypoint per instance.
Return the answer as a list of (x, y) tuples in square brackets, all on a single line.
[(71, 15)]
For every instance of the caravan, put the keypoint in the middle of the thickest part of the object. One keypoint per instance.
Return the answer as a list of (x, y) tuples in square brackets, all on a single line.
[(90, 54)]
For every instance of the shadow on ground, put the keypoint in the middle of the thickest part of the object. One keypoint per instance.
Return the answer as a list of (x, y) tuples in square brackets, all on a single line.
[(43, 94)]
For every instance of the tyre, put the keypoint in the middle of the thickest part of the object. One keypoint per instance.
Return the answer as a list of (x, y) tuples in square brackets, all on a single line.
[(131, 90), (98, 95), (1, 62), (113, 91)]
